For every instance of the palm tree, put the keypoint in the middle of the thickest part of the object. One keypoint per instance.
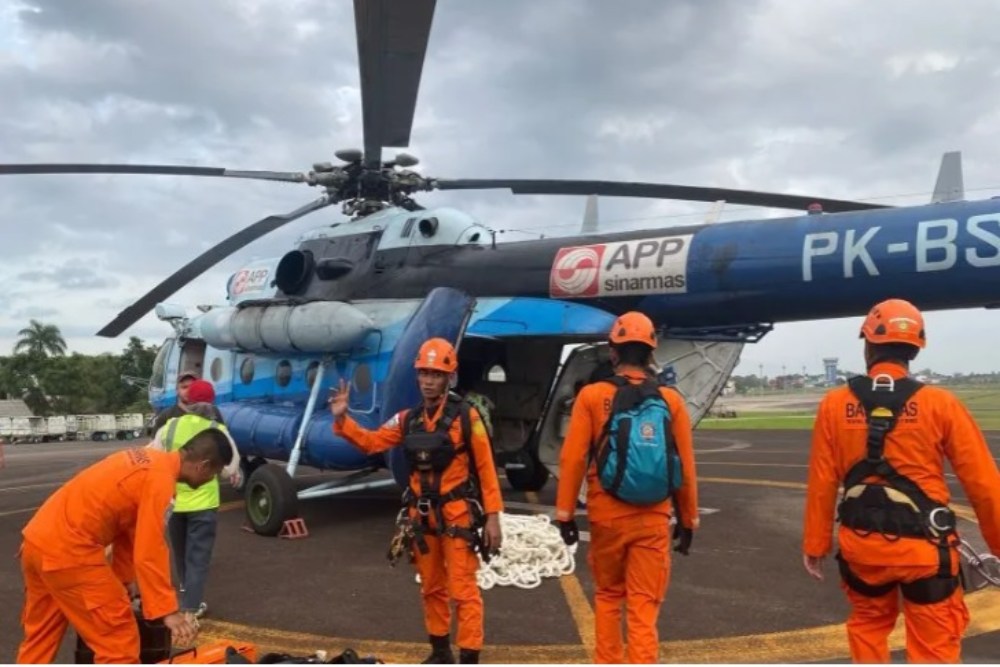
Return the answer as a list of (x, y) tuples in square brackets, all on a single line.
[(40, 340)]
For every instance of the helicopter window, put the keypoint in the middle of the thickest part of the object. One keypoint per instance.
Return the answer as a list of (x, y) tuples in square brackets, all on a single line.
[(160, 364), (216, 369), (311, 372), (246, 370), (408, 227), (362, 378), (283, 374)]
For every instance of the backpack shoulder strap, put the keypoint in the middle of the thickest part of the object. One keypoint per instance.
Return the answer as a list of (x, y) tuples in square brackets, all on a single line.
[(873, 397), (465, 421), (412, 418), (882, 409)]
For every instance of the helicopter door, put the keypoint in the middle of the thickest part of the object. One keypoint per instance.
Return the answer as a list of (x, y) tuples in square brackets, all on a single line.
[(444, 313)]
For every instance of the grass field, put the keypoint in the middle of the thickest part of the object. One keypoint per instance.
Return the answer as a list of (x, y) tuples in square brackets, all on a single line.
[(982, 402)]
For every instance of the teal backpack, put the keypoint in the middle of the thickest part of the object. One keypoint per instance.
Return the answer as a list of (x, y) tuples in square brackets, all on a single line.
[(637, 460)]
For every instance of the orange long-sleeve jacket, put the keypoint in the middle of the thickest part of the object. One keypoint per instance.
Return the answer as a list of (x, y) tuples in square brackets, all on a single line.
[(122, 500), (933, 426), (591, 411), (391, 434)]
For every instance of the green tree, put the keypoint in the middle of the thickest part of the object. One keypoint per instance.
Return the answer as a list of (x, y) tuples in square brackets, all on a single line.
[(40, 341)]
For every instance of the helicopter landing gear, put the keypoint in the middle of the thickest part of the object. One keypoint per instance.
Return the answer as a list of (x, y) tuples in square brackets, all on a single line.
[(525, 472), (271, 499), (247, 468)]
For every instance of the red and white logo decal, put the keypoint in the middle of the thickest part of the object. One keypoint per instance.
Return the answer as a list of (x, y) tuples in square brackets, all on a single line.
[(250, 280), (620, 268), (240, 281), (575, 271)]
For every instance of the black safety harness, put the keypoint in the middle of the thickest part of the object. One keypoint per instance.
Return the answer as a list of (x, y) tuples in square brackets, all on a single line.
[(894, 507), (429, 454)]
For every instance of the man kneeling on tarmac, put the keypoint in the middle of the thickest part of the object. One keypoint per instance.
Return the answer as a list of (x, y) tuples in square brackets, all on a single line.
[(885, 436), (122, 501), (454, 492)]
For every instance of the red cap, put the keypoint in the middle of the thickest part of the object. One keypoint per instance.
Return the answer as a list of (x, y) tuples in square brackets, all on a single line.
[(201, 391)]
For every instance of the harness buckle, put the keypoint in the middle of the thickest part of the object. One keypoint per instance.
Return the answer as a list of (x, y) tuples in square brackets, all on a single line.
[(424, 506), (948, 522), (883, 381)]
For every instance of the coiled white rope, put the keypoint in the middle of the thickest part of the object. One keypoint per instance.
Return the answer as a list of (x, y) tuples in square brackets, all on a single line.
[(532, 550)]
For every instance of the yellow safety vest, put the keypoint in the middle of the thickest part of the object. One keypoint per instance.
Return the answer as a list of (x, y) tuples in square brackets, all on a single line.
[(179, 431)]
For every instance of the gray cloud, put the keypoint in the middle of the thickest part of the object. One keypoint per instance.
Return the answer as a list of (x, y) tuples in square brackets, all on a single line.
[(69, 277), (844, 99)]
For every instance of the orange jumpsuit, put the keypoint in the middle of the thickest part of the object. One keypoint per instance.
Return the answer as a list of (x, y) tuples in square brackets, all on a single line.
[(629, 545), (449, 568), (934, 425), (120, 501)]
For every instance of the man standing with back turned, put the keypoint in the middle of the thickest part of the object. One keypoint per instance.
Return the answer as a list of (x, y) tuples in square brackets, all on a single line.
[(632, 440), (885, 437)]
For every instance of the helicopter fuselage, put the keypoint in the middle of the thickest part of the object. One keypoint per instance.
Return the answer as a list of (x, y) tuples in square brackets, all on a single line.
[(773, 270)]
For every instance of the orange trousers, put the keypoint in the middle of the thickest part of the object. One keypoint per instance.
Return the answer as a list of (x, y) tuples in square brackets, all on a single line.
[(630, 560), (448, 570), (933, 631), (91, 598)]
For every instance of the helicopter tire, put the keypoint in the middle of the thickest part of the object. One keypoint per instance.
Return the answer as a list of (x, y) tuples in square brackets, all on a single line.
[(532, 477), (247, 468), (271, 499)]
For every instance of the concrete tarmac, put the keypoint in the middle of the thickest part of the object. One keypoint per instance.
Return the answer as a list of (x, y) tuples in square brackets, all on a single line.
[(741, 596)]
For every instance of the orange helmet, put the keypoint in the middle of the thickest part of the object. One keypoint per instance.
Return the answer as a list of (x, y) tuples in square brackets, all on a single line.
[(894, 321), (633, 327), (437, 354)]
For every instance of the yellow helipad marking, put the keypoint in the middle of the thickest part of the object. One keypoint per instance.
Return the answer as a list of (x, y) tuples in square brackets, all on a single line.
[(583, 614), (752, 465), (817, 644), (823, 643), (752, 482)]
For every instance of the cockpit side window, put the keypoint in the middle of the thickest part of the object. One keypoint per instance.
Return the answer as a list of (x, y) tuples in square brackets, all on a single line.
[(160, 365)]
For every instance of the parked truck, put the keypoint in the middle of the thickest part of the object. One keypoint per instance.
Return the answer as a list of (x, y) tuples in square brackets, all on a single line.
[(98, 428), (128, 426)]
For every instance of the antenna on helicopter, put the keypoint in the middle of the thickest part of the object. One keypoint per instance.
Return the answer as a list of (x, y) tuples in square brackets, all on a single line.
[(950, 185), (590, 216), (713, 213)]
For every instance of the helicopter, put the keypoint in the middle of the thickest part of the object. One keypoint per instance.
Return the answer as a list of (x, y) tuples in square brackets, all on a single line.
[(355, 299)]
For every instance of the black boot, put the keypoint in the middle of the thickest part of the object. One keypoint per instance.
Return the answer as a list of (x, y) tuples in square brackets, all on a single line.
[(467, 656), (440, 651)]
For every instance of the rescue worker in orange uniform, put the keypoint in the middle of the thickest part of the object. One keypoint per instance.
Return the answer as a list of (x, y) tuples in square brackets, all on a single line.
[(453, 482), (122, 501), (885, 437), (629, 551)]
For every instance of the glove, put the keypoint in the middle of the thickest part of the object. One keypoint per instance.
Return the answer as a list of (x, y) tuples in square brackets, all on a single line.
[(682, 538), (569, 531)]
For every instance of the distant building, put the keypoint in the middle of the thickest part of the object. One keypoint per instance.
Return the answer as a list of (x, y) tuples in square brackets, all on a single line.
[(15, 408), (830, 368)]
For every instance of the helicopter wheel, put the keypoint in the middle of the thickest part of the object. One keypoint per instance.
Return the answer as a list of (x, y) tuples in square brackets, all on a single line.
[(247, 468), (270, 499), (532, 477)]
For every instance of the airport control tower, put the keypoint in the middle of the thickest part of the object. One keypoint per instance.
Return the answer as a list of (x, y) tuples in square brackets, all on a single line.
[(830, 365)]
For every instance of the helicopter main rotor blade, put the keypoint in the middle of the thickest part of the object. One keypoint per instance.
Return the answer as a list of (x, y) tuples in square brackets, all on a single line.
[(150, 169), (202, 263), (392, 40), (655, 191)]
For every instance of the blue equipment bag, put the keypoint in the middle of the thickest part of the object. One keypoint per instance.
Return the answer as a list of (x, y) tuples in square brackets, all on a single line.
[(637, 459)]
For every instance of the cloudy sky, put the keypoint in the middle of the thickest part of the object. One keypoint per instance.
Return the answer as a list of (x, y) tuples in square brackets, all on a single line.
[(836, 97)]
